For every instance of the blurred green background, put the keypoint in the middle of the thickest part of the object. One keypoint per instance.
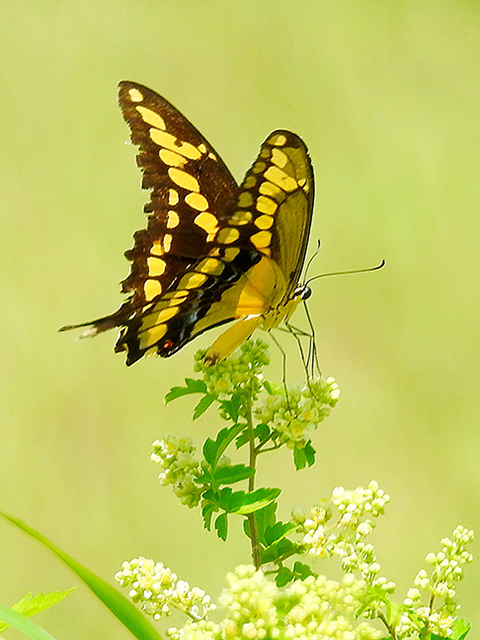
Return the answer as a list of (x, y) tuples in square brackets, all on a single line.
[(386, 96)]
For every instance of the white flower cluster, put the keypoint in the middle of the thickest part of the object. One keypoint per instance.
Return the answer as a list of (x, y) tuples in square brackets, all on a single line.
[(249, 604), (239, 373), (325, 536), (176, 456), (447, 569), (327, 609), (290, 418), (256, 609), (157, 589)]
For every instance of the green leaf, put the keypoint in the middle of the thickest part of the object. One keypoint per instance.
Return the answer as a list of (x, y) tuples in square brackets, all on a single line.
[(121, 608), (214, 449), (202, 406), (264, 518), (278, 531), (460, 629), (304, 457), (233, 473), (279, 551), (29, 606), (261, 432), (283, 577), (193, 386), (245, 503), (302, 571), (207, 512), (230, 408), (310, 453), (221, 526), (23, 624)]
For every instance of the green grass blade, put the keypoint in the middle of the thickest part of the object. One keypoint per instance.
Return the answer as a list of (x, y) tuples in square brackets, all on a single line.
[(23, 624), (121, 608)]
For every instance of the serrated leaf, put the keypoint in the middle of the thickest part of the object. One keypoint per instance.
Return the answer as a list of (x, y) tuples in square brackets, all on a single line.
[(233, 473), (262, 431), (221, 526), (214, 449), (309, 453), (279, 551), (30, 605), (299, 458), (302, 571), (207, 512), (283, 577), (230, 408), (304, 457), (192, 386), (278, 531), (202, 406), (118, 604)]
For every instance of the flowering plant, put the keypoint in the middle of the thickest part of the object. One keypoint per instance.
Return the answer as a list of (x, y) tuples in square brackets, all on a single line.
[(281, 595)]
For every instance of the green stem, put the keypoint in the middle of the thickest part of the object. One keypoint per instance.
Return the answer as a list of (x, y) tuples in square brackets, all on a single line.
[(391, 629), (251, 484)]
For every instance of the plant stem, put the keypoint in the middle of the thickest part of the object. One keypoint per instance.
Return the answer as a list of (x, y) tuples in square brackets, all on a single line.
[(251, 484), (391, 629)]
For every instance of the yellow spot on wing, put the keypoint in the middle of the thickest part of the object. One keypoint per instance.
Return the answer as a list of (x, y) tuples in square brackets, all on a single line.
[(184, 179), (245, 199), (173, 220), (152, 288), (164, 139), (266, 205), (231, 253), (259, 166), (157, 248), (206, 221), (151, 336), (279, 158), (173, 197), (156, 266), (150, 117), (196, 201), (227, 235), (261, 239), (192, 280), (281, 179), (202, 148), (278, 140), (240, 217), (171, 158), (212, 266), (135, 95), (249, 182), (270, 189), (167, 242), (264, 222)]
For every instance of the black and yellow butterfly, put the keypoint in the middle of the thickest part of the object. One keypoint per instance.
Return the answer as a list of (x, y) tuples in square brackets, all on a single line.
[(212, 251)]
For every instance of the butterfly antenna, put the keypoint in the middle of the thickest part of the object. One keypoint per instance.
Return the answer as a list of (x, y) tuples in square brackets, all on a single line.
[(347, 273), (312, 257)]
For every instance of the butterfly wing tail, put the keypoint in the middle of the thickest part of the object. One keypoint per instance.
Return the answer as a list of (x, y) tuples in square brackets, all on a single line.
[(100, 325)]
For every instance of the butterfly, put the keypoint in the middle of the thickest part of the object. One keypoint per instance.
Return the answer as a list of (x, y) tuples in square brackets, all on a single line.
[(212, 251)]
